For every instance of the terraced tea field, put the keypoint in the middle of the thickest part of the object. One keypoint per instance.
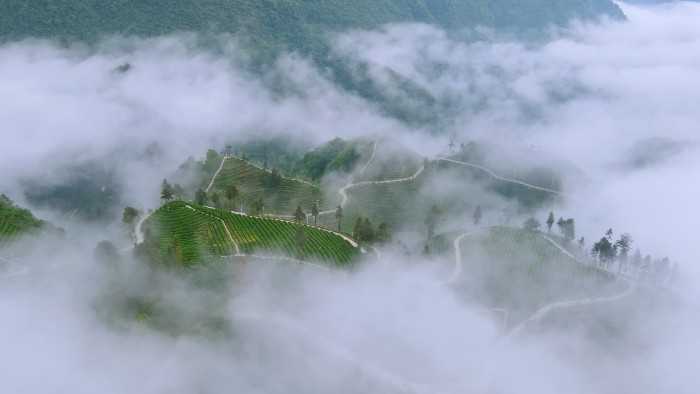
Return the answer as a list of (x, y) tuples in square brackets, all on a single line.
[(190, 233), (186, 234), (254, 183), (393, 201), (8, 231), (15, 221)]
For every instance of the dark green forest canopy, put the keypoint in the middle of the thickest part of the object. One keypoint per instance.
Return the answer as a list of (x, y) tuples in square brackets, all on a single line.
[(267, 28), (272, 24)]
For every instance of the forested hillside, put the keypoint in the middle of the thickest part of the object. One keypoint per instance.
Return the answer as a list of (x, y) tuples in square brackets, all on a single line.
[(273, 24), (15, 221)]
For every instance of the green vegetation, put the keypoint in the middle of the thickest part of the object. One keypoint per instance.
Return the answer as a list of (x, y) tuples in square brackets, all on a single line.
[(247, 180), (187, 234), (281, 152), (16, 221), (296, 160), (391, 162), (268, 28), (90, 190), (364, 231), (254, 234), (272, 25), (336, 155), (279, 194), (527, 197), (520, 270), (396, 204)]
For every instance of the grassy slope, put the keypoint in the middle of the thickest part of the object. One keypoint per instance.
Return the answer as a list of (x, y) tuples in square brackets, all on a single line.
[(520, 271), (396, 204), (250, 181), (190, 235), (15, 221), (406, 203)]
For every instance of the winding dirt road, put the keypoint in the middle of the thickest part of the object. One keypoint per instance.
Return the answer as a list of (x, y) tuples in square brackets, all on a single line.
[(497, 177), (541, 313), (546, 310), (228, 233), (213, 178), (458, 267), (138, 230), (344, 190)]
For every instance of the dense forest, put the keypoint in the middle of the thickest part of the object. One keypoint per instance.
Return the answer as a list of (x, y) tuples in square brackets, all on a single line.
[(273, 24)]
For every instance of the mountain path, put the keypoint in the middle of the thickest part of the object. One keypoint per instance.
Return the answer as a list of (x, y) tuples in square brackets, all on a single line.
[(541, 313), (228, 233), (495, 176), (458, 266), (213, 178), (548, 309), (343, 192), (138, 230)]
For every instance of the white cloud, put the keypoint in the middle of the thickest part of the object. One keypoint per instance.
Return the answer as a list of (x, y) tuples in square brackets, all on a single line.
[(587, 96)]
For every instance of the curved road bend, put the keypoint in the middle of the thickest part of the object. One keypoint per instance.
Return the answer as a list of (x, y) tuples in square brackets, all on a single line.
[(497, 177), (541, 313)]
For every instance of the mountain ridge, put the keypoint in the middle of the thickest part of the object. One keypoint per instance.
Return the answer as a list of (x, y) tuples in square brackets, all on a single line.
[(276, 24)]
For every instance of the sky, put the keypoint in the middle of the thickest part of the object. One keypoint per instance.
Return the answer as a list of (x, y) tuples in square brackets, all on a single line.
[(592, 96)]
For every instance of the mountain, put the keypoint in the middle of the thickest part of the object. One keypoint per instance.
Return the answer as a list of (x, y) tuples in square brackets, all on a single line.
[(275, 24), (267, 28)]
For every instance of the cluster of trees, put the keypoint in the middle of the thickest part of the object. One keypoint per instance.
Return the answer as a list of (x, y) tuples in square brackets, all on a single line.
[(364, 231), (130, 215), (335, 155), (607, 252), (272, 179), (170, 192), (294, 160), (567, 227), (226, 200)]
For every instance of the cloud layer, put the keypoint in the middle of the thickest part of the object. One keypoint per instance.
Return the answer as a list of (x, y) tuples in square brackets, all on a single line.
[(586, 96)]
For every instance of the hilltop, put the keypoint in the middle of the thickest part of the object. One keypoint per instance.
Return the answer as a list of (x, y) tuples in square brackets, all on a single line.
[(521, 271), (188, 234)]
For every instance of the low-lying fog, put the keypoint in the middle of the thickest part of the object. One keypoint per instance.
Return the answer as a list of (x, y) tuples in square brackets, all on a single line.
[(607, 98)]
